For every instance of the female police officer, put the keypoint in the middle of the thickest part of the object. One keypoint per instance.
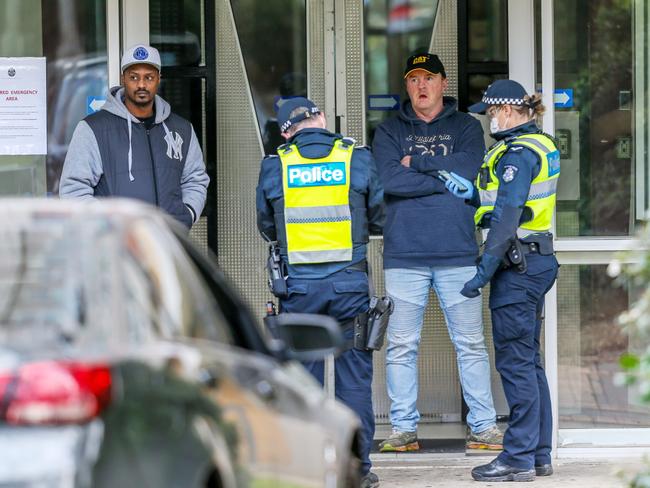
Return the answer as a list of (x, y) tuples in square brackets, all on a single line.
[(515, 196)]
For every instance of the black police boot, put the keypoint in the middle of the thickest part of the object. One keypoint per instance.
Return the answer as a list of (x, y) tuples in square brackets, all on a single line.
[(498, 471), (543, 469)]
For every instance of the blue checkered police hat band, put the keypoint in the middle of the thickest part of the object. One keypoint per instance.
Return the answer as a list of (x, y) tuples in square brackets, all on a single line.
[(309, 112), (501, 92), (503, 101)]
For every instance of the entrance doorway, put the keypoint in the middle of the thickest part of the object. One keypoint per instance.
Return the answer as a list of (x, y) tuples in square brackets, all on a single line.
[(348, 56)]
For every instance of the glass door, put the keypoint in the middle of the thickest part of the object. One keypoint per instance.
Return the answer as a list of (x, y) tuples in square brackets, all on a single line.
[(594, 61), (186, 40), (72, 36)]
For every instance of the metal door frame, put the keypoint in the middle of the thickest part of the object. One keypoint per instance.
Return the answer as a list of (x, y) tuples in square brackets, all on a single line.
[(127, 23)]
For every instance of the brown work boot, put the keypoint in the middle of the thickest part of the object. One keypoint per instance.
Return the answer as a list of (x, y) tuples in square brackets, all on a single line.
[(491, 439), (400, 442)]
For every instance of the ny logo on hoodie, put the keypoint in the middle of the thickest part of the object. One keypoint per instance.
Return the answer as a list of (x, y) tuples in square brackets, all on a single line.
[(174, 145)]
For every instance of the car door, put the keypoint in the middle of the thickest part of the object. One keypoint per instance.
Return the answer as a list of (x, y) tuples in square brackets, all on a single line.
[(277, 407)]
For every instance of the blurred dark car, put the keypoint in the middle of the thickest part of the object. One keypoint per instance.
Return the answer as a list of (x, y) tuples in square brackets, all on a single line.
[(127, 360)]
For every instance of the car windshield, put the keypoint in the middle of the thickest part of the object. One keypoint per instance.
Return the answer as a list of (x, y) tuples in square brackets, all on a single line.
[(48, 278)]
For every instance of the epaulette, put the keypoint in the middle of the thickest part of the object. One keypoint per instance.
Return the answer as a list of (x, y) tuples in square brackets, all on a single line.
[(348, 141), (550, 137), (285, 147)]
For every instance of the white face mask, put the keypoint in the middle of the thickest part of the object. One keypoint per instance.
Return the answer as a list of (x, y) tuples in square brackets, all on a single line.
[(494, 125)]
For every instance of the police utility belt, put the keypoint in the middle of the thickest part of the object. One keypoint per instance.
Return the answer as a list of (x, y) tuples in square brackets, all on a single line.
[(369, 327), (515, 256)]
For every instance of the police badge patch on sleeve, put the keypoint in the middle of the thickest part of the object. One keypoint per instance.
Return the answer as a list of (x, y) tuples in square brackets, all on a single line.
[(509, 173)]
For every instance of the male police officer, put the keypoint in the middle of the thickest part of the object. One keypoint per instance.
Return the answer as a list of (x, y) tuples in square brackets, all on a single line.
[(319, 198), (136, 147)]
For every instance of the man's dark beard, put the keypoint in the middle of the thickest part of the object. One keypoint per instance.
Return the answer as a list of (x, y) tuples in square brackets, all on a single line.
[(137, 102)]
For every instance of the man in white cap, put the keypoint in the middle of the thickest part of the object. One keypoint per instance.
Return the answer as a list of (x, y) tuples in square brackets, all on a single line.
[(135, 147)]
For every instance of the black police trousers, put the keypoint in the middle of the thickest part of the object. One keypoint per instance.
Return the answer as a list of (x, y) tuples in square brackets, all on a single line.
[(516, 303)]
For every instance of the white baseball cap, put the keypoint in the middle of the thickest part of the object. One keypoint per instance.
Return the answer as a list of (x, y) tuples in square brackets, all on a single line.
[(140, 54)]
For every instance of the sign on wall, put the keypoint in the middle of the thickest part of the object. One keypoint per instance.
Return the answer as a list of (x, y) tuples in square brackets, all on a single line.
[(23, 106)]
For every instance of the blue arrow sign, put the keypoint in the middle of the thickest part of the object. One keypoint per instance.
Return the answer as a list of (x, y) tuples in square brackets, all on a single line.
[(563, 98), (94, 104), (383, 102)]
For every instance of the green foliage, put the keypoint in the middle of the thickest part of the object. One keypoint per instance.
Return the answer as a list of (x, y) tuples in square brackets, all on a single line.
[(636, 322)]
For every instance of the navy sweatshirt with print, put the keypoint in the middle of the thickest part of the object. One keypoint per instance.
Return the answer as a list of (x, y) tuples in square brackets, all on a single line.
[(425, 224)]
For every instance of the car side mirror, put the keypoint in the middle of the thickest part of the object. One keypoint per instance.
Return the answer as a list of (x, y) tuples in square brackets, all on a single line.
[(305, 336)]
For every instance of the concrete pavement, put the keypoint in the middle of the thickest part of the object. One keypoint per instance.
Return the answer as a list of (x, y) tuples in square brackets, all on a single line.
[(453, 470)]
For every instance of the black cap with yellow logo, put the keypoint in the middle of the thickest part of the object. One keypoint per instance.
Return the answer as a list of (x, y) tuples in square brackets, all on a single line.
[(427, 62)]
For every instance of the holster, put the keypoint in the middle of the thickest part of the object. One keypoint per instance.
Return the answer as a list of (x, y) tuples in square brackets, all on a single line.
[(277, 276), (515, 256), (370, 327)]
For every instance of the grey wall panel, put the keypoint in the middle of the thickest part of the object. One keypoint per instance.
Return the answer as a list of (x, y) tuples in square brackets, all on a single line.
[(239, 151), (199, 234), (316, 52), (444, 42), (354, 70)]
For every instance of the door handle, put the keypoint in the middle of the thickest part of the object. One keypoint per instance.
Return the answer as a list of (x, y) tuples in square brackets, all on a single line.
[(265, 390), (208, 378)]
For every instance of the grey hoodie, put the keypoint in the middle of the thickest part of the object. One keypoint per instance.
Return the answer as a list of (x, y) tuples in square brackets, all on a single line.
[(113, 154)]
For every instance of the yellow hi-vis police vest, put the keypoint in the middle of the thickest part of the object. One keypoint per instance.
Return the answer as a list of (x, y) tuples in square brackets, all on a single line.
[(543, 188), (317, 214)]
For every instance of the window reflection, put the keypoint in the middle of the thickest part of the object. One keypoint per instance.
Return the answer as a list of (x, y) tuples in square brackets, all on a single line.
[(72, 36), (171, 293), (394, 30), (175, 30), (593, 58), (478, 83), (74, 43), (590, 343), (274, 45), (53, 285), (487, 38)]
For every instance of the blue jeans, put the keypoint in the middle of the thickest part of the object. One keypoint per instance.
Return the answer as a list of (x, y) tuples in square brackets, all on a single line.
[(409, 289)]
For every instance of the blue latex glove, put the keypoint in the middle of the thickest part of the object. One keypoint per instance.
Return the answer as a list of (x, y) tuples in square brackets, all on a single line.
[(453, 187), (471, 288), (486, 268)]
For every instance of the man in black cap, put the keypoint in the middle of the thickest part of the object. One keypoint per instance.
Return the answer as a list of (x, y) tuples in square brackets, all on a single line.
[(319, 198), (429, 243)]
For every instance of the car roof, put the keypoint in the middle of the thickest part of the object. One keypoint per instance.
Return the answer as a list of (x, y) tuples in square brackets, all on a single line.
[(119, 211)]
